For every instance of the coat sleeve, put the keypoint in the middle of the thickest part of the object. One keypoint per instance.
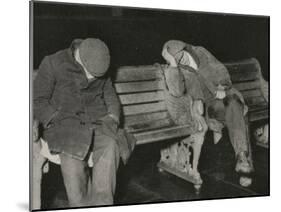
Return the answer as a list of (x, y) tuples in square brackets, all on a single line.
[(174, 80), (111, 100), (43, 88), (222, 76), (212, 72), (194, 87)]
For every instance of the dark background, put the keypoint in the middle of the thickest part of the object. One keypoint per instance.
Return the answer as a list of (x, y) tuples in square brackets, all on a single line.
[(136, 36)]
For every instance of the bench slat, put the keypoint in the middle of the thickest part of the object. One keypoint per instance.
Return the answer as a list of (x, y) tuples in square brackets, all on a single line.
[(141, 97), (245, 70), (241, 67), (163, 134), (246, 76), (137, 73), (144, 108), (259, 115), (247, 86), (258, 100), (151, 125), (131, 87), (258, 107), (251, 93), (140, 118), (250, 64)]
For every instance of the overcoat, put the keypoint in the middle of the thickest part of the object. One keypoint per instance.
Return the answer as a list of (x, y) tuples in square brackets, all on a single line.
[(69, 105), (203, 84)]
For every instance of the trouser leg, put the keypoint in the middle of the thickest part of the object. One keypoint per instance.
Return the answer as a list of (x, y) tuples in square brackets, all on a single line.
[(236, 125), (230, 112), (76, 177), (37, 163), (106, 161)]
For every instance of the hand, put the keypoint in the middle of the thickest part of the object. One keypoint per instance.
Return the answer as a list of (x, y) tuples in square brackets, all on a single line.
[(109, 124), (114, 117), (220, 94)]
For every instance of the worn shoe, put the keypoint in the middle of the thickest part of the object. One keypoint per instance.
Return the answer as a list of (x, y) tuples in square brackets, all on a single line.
[(243, 164), (245, 181)]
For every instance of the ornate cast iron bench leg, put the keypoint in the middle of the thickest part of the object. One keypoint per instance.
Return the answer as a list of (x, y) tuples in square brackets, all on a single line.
[(175, 159)]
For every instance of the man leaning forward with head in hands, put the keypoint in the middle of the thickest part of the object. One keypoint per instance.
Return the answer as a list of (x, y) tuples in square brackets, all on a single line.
[(208, 82)]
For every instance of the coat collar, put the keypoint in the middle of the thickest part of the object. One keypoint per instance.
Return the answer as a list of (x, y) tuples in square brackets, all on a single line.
[(70, 52), (190, 49), (83, 82)]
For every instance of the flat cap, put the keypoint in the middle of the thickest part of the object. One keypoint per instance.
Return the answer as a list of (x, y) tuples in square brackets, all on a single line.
[(95, 56)]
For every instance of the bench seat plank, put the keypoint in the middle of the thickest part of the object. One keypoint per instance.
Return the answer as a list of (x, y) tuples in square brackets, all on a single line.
[(144, 108), (137, 98), (140, 118), (162, 134), (150, 125)]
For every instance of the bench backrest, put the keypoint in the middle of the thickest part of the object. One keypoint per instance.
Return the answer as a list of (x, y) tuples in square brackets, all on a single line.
[(246, 77), (141, 93), (140, 89)]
